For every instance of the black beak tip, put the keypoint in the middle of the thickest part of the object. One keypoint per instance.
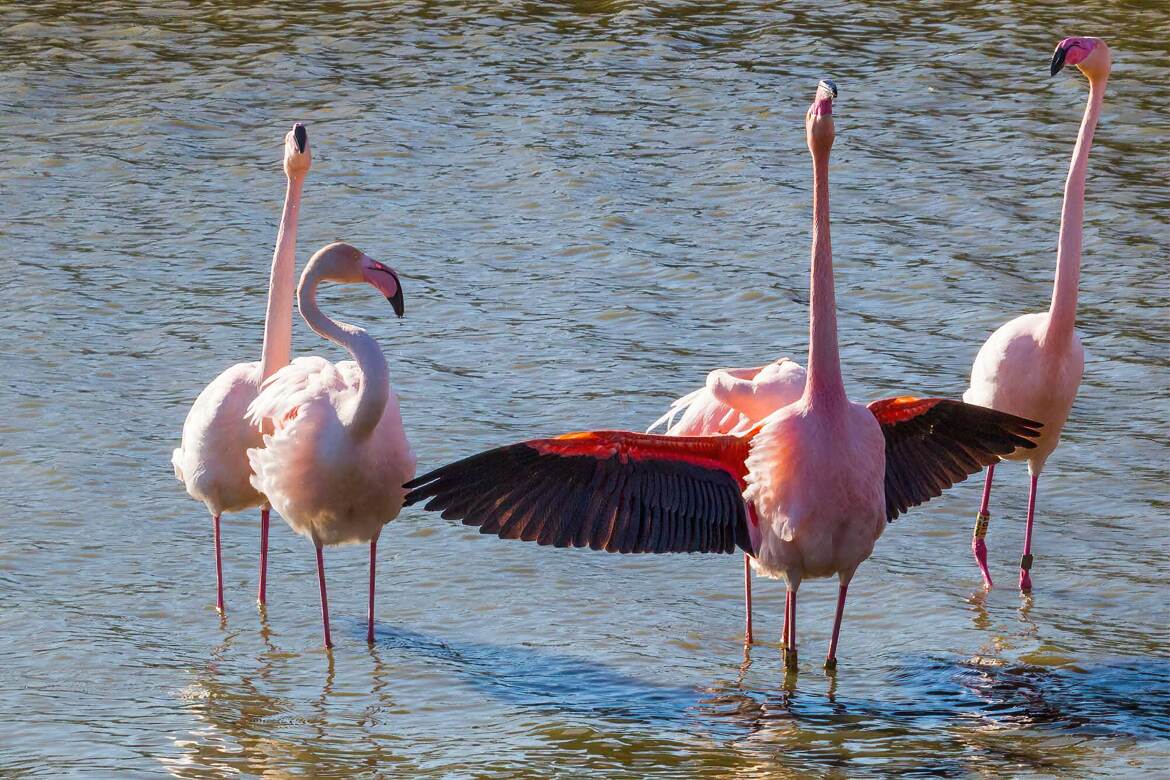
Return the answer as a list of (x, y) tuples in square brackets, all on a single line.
[(1057, 61), (397, 303), (301, 136)]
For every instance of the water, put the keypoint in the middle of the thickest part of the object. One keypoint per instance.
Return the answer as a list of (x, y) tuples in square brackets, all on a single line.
[(591, 205)]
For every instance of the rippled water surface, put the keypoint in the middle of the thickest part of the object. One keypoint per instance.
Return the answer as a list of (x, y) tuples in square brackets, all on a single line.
[(592, 204)]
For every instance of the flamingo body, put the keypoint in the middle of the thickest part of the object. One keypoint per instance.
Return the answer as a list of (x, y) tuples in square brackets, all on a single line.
[(734, 399), (310, 461), (815, 480), (1018, 372), (211, 460)]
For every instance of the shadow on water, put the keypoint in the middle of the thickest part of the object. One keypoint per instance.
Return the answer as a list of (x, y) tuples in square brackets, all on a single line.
[(1127, 698), (531, 677)]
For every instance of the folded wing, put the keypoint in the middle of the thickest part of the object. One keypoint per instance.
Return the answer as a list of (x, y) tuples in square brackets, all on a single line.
[(933, 443), (616, 491)]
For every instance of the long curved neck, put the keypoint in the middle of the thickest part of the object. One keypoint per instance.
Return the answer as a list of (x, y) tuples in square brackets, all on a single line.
[(1063, 313), (278, 320), (823, 385), (375, 381)]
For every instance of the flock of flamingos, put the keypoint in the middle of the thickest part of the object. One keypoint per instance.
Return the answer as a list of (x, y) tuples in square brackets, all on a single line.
[(776, 460)]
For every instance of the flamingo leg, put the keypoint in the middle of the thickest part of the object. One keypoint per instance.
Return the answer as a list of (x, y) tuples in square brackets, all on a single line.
[(747, 597), (982, 520), (842, 590), (262, 591), (790, 631), (1026, 560), (370, 610), (324, 598), (218, 566)]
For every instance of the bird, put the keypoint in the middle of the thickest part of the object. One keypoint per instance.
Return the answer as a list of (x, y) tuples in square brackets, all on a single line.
[(1032, 365), (210, 460), (731, 401), (806, 492), (334, 463)]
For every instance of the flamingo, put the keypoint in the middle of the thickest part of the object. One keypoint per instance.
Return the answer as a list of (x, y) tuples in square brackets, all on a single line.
[(336, 459), (1032, 365), (732, 401), (210, 460), (806, 492)]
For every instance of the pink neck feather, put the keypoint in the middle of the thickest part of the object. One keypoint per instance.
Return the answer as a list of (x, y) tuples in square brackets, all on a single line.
[(1063, 313), (277, 350), (824, 384)]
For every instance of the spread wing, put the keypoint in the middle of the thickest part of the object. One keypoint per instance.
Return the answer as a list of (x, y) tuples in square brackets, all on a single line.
[(932, 443), (616, 491)]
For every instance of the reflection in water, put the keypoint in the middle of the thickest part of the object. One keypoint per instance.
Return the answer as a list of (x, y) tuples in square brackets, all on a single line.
[(592, 204)]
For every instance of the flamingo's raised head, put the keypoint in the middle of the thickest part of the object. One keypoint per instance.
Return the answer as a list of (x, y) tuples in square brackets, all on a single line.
[(1091, 55), (818, 122), (346, 264), (297, 157)]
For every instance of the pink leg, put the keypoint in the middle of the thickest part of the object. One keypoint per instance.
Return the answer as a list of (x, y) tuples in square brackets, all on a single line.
[(790, 631), (262, 592), (981, 522), (370, 611), (747, 596), (324, 598), (831, 660), (1026, 560), (218, 566)]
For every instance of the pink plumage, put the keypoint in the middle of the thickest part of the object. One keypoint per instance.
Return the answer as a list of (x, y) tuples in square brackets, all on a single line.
[(211, 460), (334, 463), (1032, 365), (731, 401)]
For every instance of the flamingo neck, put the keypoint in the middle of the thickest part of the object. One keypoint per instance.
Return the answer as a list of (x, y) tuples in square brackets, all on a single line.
[(1063, 313), (278, 320), (823, 385), (374, 389)]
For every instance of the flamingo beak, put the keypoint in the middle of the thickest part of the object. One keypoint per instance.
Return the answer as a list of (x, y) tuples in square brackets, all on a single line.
[(1058, 57), (385, 279), (301, 136), (396, 301)]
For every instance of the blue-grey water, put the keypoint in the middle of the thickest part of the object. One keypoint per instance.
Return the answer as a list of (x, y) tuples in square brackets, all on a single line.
[(591, 204)]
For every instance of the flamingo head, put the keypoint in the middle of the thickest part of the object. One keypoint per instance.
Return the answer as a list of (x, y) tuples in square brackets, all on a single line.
[(818, 122), (1090, 55), (297, 157), (346, 264)]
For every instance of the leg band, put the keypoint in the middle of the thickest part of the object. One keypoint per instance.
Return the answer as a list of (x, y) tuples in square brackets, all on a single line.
[(982, 520), (1026, 562)]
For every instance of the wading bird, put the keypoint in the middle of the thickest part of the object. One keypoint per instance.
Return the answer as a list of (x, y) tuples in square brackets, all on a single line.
[(337, 456), (211, 461), (1032, 365), (806, 492), (732, 401)]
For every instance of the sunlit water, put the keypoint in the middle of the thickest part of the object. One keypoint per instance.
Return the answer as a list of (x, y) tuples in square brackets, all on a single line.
[(591, 204)]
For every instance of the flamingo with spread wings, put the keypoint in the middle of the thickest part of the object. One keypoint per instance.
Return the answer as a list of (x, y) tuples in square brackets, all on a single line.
[(211, 461), (806, 492)]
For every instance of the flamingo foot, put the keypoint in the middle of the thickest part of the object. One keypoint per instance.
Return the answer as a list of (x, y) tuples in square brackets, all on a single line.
[(790, 659), (1025, 577), (979, 547)]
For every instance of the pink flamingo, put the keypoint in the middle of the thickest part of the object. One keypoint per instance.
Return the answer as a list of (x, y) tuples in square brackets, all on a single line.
[(210, 460), (337, 457), (1032, 365), (732, 401), (806, 492)]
